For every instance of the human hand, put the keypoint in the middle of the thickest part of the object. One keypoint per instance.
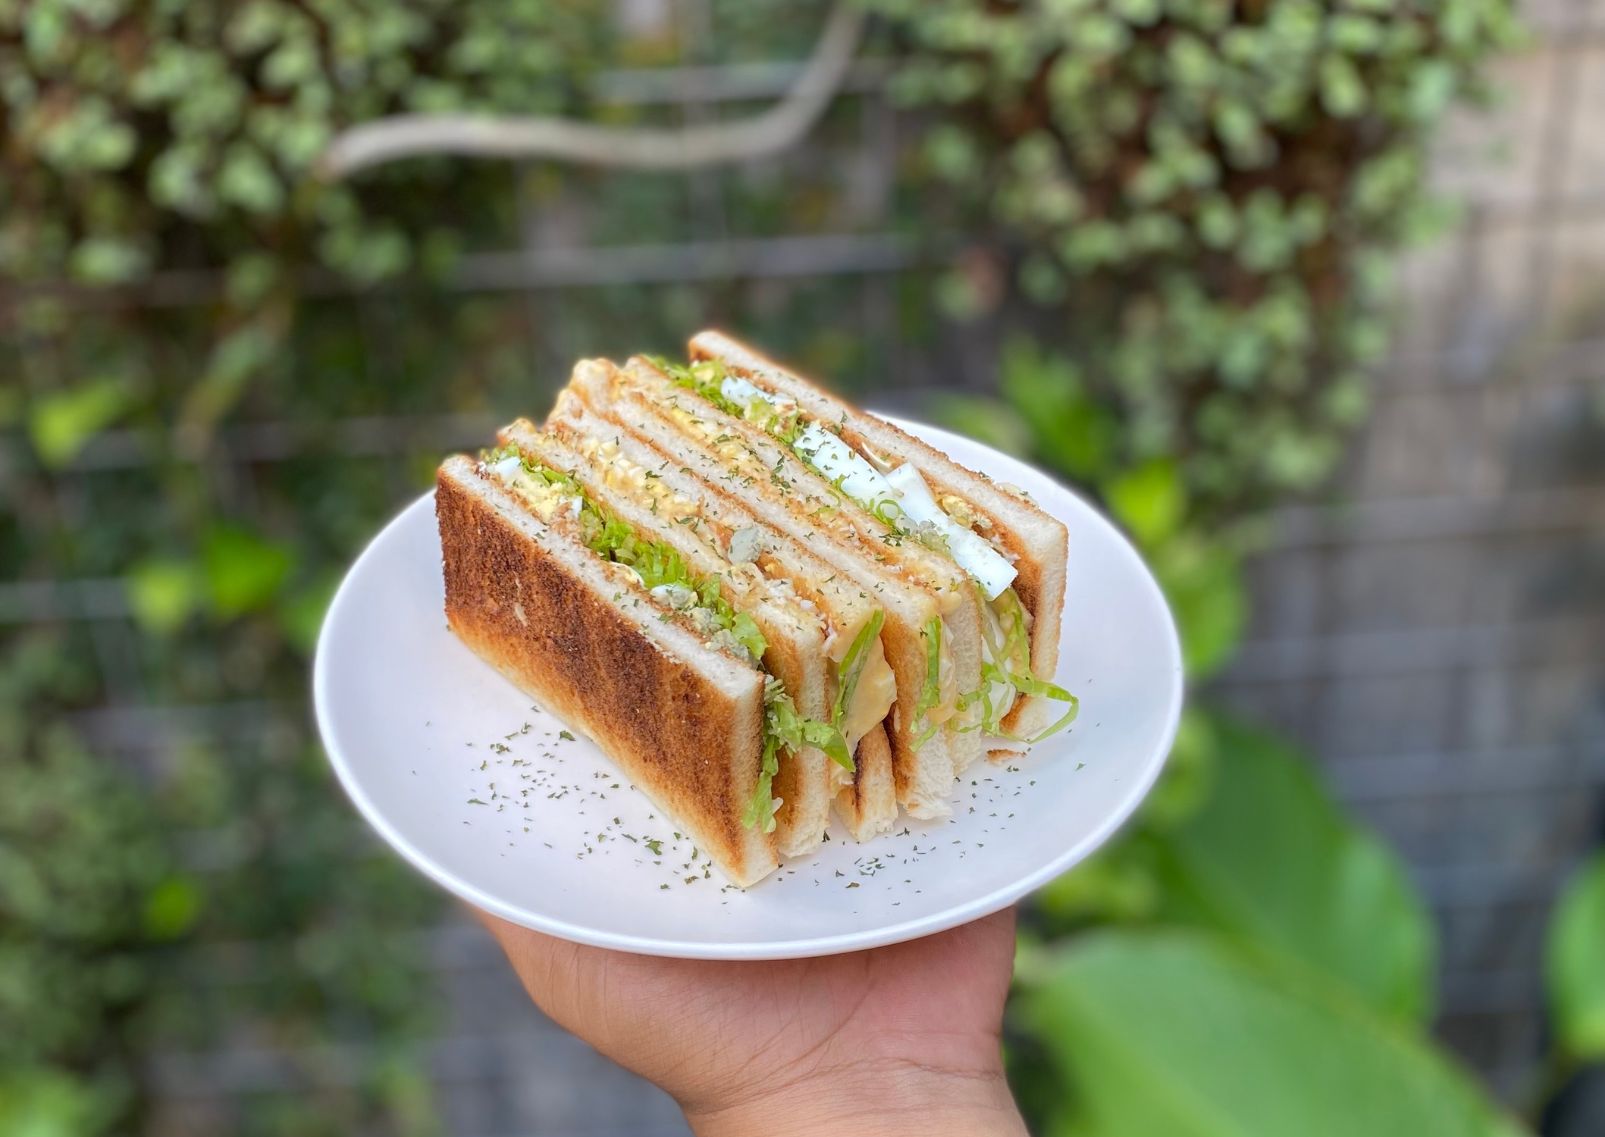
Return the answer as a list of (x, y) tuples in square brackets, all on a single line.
[(901, 1039)]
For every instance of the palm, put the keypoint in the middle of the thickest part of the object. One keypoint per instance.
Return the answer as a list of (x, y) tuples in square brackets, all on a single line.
[(698, 1027)]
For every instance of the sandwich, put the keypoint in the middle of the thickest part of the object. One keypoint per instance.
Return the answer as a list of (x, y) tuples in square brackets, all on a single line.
[(1013, 552), (823, 635), (931, 632), (778, 615)]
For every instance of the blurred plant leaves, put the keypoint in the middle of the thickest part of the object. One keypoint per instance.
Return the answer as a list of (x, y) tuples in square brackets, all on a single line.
[(1072, 431), (1176, 1034), (236, 358), (301, 614), (163, 592), (1189, 776), (985, 420), (62, 423), (1203, 581), (171, 908), (40, 1101), (243, 571), (1271, 860), (1574, 964), (1149, 500)]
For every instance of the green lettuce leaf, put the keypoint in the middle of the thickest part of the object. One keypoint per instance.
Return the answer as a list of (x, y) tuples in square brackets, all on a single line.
[(931, 692), (784, 727), (852, 665)]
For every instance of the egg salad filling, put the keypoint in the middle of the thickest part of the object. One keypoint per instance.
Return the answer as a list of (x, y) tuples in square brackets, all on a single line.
[(556, 497), (940, 699), (865, 685), (899, 497)]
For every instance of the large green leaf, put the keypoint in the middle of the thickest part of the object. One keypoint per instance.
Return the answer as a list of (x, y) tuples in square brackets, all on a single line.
[(1270, 859), (1575, 964), (1182, 1034)]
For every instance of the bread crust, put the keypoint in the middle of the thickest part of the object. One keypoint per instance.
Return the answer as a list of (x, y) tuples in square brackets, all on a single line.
[(683, 723)]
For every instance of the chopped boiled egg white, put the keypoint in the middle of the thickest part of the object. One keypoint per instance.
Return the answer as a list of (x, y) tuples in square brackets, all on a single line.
[(843, 465), (903, 486), (972, 552), (738, 390)]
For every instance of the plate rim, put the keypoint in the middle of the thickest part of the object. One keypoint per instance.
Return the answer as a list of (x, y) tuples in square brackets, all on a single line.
[(832, 944)]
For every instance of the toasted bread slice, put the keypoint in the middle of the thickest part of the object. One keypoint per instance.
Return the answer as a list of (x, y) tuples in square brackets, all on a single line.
[(916, 588), (637, 494), (682, 721), (1035, 542), (864, 796)]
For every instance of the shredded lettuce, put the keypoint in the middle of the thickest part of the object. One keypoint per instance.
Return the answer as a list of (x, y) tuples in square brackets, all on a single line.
[(705, 377), (1010, 641), (931, 692), (852, 665), (785, 728), (657, 563)]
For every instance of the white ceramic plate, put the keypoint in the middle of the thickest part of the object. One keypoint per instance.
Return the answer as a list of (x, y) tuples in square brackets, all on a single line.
[(482, 793)]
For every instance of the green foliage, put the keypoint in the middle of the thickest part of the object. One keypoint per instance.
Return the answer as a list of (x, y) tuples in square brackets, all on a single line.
[(1192, 199), (1194, 196), (1241, 840), (1194, 202), (130, 117), (242, 570), (43, 1102), (1575, 965), (1269, 860), (85, 914), (63, 422), (1176, 1034), (150, 146), (146, 137)]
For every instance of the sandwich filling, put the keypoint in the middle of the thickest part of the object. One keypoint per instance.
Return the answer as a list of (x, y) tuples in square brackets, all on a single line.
[(900, 498), (559, 500), (865, 685), (940, 699)]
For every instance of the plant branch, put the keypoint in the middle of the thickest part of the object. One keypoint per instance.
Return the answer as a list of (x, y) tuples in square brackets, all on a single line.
[(490, 136)]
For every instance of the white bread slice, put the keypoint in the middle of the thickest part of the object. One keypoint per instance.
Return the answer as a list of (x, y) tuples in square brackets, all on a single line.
[(796, 640), (648, 406), (683, 722), (1038, 542), (868, 807), (865, 798)]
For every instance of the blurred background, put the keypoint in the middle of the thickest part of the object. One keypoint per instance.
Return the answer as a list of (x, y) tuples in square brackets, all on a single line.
[(1309, 296)]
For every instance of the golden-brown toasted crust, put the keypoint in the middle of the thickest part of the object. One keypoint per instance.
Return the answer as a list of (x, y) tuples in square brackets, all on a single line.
[(795, 651), (685, 730)]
